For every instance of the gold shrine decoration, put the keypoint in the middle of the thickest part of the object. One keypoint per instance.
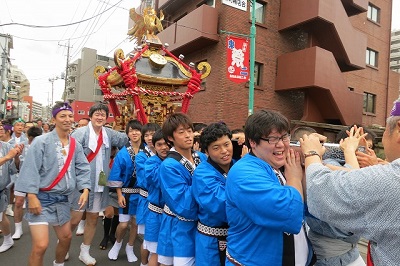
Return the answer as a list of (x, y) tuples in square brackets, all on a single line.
[(147, 24), (115, 79)]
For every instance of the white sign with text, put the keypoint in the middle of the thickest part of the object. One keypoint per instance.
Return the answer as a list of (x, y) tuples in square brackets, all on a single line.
[(239, 4)]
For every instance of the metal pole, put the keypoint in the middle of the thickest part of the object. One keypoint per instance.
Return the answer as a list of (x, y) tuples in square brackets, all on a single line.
[(18, 104), (52, 91), (252, 56), (2, 74)]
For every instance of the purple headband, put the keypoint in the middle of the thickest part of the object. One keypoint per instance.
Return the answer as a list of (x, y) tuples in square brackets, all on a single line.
[(396, 109), (7, 127), (65, 107)]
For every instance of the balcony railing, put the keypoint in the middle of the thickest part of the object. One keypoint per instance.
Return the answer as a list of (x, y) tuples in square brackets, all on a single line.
[(197, 29)]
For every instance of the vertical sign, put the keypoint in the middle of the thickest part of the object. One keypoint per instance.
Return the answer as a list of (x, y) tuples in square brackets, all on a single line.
[(9, 104), (237, 53), (239, 4)]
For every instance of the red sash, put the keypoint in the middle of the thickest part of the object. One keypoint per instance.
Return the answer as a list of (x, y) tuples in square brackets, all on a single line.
[(369, 259), (91, 155), (61, 174)]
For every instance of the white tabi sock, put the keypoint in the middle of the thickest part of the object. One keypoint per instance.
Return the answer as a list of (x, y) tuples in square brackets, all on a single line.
[(57, 264), (114, 251), (8, 242), (18, 231), (129, 253)]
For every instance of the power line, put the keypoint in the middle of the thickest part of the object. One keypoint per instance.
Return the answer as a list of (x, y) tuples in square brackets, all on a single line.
[(56, 26)]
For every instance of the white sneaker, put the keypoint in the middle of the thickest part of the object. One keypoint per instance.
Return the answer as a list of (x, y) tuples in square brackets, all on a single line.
[(114, 251), (85, 257), (66, 256), (81, 228), (10, 211)]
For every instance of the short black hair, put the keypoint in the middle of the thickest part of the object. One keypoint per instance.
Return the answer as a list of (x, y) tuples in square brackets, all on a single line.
[(149, 127), (199, 127), (261, 123), (158, 135), (133, 124), (173, 122), (33, 132), (299, 132), (98, 107), (212, 133)]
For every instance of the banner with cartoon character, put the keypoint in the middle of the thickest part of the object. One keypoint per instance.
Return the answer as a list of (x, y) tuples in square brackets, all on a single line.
[(237, 54)]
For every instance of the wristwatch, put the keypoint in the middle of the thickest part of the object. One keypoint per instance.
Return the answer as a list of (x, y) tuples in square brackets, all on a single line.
[(311, 153)]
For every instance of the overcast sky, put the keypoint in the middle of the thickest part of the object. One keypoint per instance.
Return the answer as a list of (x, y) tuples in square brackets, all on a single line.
[(37, 51)]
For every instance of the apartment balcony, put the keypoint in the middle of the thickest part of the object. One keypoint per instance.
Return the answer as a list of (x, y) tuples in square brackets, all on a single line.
[(394, 63), (395, 55), (70, 97), (329, 27), (167, 5), (355, 7), (327, 97), (196, 30)]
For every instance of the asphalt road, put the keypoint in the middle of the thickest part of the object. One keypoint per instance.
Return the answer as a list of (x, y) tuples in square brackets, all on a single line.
[(19, 253)]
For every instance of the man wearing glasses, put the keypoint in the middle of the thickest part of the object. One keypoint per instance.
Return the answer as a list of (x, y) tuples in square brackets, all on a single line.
[(264, 205)]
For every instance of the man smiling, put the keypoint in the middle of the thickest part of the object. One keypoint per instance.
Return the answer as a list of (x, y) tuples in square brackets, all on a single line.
[(264, 207)]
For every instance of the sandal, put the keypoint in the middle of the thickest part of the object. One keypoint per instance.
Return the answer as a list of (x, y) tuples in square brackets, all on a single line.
[(104, 243)]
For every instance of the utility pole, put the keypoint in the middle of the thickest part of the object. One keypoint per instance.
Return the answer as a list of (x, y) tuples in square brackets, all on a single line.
[(66, 68), (2, 74), (252, 56)]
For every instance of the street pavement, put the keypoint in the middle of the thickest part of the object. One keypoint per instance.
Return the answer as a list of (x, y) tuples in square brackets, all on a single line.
[(19, 253)]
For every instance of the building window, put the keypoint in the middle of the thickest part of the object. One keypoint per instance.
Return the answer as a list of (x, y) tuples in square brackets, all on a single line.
[(207, 2), (371, 58), (373, 13), (258, 74), (369, 103), (260, 12), (98, 92), (81, 112)]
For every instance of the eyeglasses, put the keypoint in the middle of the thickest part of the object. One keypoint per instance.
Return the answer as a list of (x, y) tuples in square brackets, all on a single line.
[(275, 140)]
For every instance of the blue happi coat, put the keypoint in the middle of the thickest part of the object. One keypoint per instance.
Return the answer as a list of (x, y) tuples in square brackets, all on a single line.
[(208, 189), (140, 161), (259, 210), (176, 238), (121, 176), (153, 220)]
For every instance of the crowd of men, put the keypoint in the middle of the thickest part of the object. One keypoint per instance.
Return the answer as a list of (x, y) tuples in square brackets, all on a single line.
[(203, 196)]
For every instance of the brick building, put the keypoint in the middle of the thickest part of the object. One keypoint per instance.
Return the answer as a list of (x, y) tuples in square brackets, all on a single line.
[(316, 60)]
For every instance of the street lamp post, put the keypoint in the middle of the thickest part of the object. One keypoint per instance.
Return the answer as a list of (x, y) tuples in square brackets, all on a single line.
[(52, 88)]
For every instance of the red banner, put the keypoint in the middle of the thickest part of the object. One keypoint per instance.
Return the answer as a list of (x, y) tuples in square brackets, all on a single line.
[(237, 55), (9, 104)]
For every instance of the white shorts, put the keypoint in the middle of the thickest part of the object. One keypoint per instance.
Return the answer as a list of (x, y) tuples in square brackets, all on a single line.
[(20, 194), (184, 261), (96, 203), (181, 261), (140, 229), (124, 218), (358, 262), (165, 260), (150, 246)]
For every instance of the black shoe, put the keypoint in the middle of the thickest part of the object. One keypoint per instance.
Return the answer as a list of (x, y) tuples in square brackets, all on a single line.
[(104, 243)]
